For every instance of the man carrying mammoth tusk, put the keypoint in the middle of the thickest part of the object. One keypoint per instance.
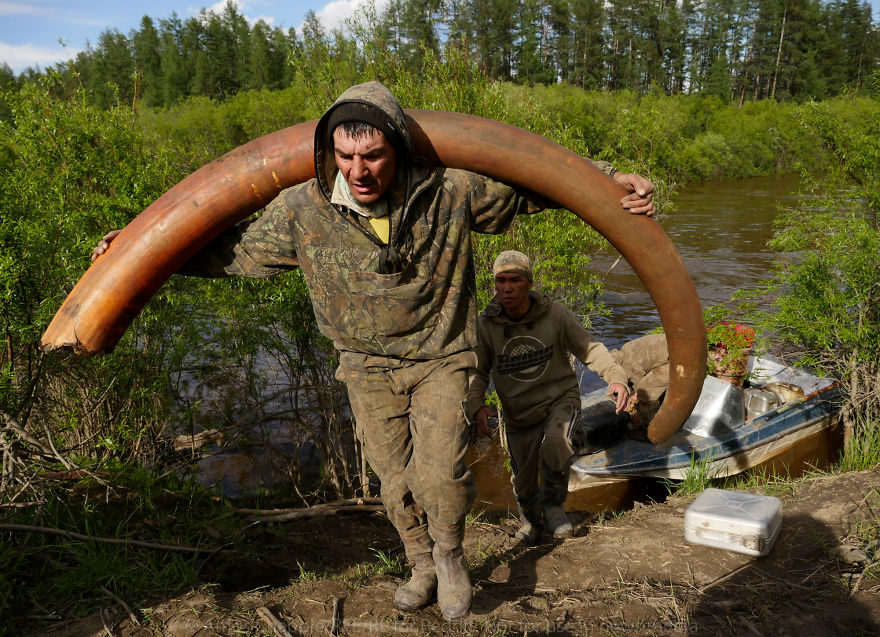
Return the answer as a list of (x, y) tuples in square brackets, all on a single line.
[(383, 240)]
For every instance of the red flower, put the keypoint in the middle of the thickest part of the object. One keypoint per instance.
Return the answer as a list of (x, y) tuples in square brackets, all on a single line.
[(730, 335)]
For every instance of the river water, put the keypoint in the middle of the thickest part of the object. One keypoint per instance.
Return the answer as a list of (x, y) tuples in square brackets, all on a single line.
[(720, 229)]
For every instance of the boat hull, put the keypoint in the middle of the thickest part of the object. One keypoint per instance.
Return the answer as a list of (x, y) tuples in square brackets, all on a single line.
[(718, 446)]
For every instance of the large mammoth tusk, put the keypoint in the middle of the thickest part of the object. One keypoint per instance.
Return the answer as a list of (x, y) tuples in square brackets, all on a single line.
[(178, 224)]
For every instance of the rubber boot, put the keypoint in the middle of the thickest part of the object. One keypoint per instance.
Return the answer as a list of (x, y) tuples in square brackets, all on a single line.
[(558, 523), (531, 522), (554, 490), (454, 592), (422, 585)]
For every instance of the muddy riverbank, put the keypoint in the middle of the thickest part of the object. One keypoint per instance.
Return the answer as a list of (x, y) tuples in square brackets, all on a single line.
[(633, 574)]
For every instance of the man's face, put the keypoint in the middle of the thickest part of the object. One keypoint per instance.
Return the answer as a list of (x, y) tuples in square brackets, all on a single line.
[(368, 164), (513, 292)]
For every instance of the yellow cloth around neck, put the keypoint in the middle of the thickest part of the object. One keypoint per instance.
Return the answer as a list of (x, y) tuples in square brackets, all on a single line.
[(381, 226)]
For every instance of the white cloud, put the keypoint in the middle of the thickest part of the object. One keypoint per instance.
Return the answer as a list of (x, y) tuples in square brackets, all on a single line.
[(265, 18), (334, 14), (242, 8), (54, 13), (20, 8), (20, 56)]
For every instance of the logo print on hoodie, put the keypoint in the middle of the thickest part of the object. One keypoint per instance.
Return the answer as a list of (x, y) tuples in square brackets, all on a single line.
[(524, 358)]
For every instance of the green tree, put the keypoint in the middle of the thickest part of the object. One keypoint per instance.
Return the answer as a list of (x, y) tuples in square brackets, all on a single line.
[(148, 61), (174, 64), (112, 75), (495, 36), (8, 82), (533, 62), (718, 80), (587, 64), (265, 69), (622, 47), (221, 66)]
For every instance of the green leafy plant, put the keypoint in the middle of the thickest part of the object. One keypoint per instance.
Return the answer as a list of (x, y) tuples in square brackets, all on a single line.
[(699, 476)]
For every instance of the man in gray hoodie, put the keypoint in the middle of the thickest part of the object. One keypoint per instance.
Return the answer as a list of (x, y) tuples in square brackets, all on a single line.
[(525, 339)]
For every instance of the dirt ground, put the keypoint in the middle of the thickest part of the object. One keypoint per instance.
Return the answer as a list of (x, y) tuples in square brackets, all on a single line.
[(632, 574)]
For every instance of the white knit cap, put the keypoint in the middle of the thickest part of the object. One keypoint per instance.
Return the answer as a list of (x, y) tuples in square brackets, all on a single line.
[(513, 261)]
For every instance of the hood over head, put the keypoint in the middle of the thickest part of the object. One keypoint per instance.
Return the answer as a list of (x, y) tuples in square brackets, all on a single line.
[(371, 103)]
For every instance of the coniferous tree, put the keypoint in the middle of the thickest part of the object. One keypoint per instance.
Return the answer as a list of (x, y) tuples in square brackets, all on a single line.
[(174, 66), (533, 59), (622, 45), (718, 80), (264, 66), (779, 49), (587, 66), (494, 31), (674, 47), (113, 70), (148, 60), (8, 81)]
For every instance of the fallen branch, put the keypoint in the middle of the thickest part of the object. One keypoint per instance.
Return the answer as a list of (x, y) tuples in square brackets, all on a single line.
[(305, 514), (103, 540), (336, 619), (353, 505), (13, 425), (273, 622), (326, 505), (723, 578), (122, 603)]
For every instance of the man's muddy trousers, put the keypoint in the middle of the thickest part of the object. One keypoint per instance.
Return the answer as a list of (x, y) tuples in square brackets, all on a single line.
[(543, 450), (409, 417)]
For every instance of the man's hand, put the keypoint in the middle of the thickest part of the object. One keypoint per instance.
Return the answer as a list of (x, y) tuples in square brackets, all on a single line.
[(640, 201), (481, 419), (104, 243), (621, 394)]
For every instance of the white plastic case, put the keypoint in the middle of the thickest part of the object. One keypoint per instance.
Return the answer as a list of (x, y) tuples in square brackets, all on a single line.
[(733, 520)]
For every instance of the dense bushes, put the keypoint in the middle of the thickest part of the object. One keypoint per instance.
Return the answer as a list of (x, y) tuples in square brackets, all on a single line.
[(686, 138), (826, 292), (70, 171)]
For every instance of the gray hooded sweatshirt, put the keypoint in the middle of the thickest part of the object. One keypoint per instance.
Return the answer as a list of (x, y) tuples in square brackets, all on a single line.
[(528, 359)]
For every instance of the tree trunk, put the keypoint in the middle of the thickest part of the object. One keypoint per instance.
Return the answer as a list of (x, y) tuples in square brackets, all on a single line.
[(778, 55)]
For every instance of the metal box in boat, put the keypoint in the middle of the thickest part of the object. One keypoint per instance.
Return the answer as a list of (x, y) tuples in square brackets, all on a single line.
[(734, 520)]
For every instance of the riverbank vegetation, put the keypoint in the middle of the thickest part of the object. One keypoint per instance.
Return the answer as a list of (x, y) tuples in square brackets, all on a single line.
[(826, 300), (96, 445)]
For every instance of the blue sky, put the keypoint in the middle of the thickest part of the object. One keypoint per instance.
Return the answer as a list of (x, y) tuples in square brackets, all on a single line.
[(30, 30)]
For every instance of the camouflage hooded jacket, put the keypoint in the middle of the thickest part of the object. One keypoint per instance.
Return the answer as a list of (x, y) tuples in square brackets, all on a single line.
[(423, 306)]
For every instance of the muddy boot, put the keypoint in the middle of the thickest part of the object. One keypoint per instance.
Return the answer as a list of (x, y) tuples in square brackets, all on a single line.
[(531, 522), (454, 592), (554, 490), (558, 523), (422, 585)]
